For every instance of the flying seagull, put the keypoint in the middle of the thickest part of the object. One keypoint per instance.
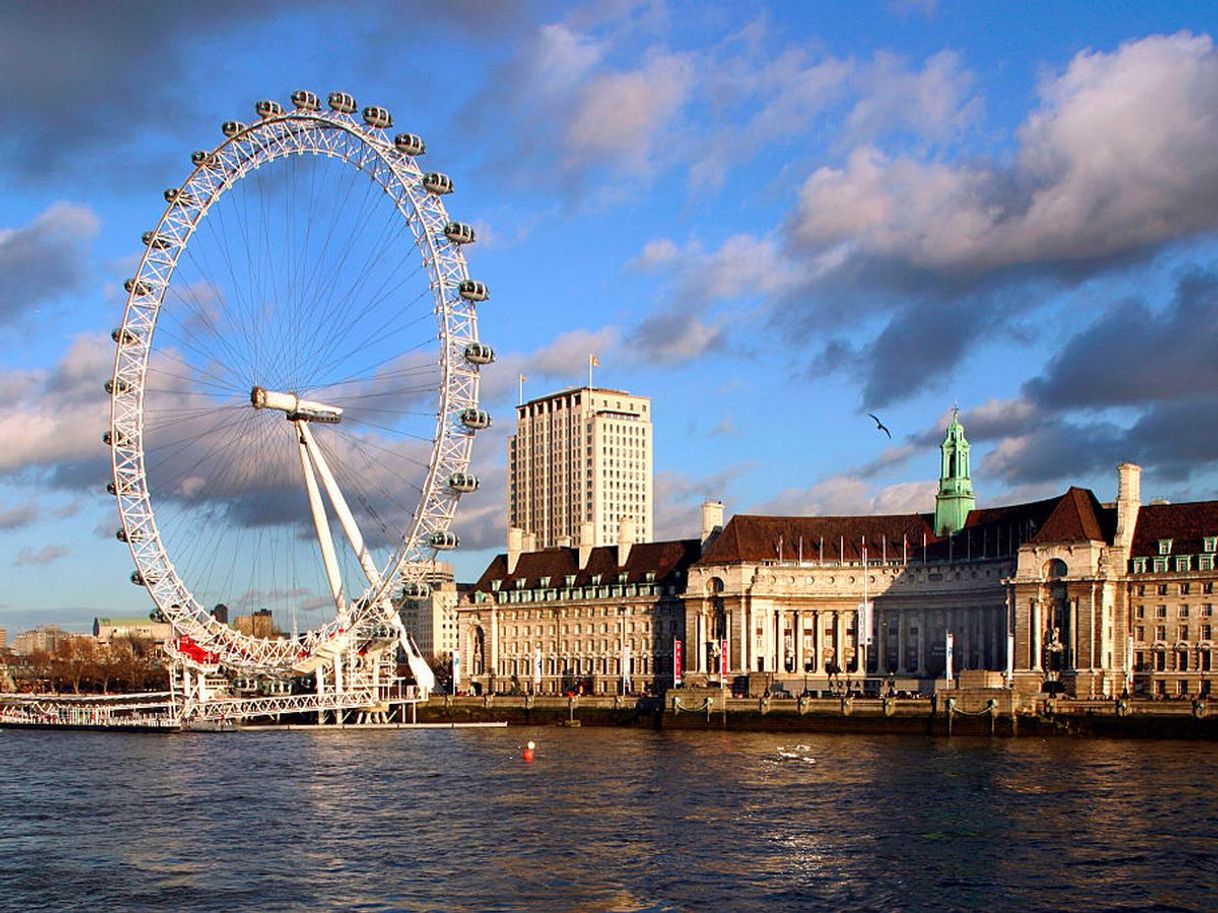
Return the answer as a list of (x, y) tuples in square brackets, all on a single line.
[(880, 425)]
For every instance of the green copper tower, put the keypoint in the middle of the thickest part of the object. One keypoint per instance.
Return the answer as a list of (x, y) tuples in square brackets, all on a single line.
[(955, 498)]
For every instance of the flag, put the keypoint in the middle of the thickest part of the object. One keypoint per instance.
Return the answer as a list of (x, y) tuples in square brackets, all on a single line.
[(523, 378), (593, 360)]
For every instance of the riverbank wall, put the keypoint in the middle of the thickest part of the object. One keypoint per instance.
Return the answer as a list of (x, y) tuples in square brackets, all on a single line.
[(978, 712)]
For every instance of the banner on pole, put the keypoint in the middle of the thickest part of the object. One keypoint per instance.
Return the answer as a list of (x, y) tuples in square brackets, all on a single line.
[(626, 668), (865, 618), (949, 650), (677, 662), (456, 671), (724, 660), (537, 665)]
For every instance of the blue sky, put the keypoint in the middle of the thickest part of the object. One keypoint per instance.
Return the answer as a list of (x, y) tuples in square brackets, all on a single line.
[(770, 218)]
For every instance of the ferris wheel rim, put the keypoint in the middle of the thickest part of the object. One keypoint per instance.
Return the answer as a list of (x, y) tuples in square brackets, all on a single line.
[(280, 135)]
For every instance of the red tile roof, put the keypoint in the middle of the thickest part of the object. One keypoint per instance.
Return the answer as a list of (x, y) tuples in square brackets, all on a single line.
[(751, 538), (667, 560), (1185, 524), (1078, 517)]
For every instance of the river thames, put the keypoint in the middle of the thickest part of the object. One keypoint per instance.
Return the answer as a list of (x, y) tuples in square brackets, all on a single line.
[(602, 820)]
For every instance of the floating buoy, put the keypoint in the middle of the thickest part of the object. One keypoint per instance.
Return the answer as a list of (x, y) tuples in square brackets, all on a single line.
[(527, 754)]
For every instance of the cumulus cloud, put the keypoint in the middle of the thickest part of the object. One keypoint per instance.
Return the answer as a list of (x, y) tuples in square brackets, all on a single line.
[(1083, 188), (45, 259), (850, 495)]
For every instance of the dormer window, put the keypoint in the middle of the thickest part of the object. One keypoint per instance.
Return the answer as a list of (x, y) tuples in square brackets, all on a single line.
[(650, 576), (596, 579), (520, 582), (1210, 544), (570, 578), (623, 577), (1184, 563), (1139, 565), (1205, 562), (545, 582), (1164, 546), (1160, 565), (495, 585)]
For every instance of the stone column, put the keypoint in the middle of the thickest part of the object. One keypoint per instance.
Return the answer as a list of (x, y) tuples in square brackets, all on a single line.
[(839, 640), (700, 639), (797, 632), (1034, 635), (902, 642), (923, 617), (818, 641), (880, 646)]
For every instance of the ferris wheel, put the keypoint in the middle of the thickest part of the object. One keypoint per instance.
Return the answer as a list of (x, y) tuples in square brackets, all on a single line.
[(295, 389)]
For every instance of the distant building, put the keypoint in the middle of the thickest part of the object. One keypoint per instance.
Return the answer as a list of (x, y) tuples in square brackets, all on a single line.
[(581, 456), (42, 639), (3, 638), (429, 611), (110, 629), (258, 624)]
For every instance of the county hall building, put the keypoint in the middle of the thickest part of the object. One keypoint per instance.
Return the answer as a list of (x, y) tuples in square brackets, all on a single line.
[(1064, 595)]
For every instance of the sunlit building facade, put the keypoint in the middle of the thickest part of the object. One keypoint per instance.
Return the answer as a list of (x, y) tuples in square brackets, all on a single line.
[(581, 456)]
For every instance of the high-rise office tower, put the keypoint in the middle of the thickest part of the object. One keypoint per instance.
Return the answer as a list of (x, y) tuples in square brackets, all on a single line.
[(581, 456)]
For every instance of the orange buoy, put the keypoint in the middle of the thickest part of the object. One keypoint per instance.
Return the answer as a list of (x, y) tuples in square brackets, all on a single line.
[(527, 754)]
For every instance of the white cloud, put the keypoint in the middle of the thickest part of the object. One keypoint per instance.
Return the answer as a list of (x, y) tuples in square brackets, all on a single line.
[(45, 555), (618, 116), (1117, 158), (654, 254), (932, 103), (850, 495)]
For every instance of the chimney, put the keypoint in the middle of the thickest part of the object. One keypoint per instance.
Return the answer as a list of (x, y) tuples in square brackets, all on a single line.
[(712, 522), (586, 535), (1129, 499), (625, 539), (563, 541), (529, 542), (515, 540)]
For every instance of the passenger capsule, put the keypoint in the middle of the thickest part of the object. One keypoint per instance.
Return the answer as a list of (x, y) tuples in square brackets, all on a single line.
[(409, 144), (459, 233), (156, 616), (378, 117), (152, 239), (181, 197), (342, 102), (444, 540), (475, 419), (479, 353), (122, 386), (204, 159), (463, 481), (268, 108), (138, 287), (437, 183), (305, 100), (416, 589), (123, 336), (111, 488), (232, 127), (472, 290), (140, 580), (117, 439), (123, 536)]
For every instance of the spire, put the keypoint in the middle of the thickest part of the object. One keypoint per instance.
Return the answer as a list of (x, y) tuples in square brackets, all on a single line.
[(955, 498)]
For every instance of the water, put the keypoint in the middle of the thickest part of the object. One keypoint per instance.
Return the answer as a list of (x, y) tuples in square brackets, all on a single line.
[(603, 820)]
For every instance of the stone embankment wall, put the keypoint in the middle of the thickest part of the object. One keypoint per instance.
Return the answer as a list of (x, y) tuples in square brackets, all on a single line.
[(997, 712)]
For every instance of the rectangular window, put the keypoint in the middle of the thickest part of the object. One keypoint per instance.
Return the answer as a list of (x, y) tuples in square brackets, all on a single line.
[(1184, 564), (1182, 611), (1164, 546), (1210, 544), (1160, 565), (1205, 562), (1139, 565)]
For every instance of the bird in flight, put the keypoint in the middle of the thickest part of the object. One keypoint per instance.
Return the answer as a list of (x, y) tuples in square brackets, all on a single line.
[(880, 425)]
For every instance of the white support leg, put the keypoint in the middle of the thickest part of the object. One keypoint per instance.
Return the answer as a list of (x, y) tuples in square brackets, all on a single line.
[(324, 539)]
